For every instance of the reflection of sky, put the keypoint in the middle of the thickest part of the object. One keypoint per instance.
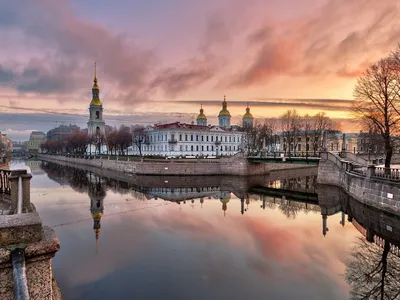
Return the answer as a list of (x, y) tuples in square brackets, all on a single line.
[(155, 249)]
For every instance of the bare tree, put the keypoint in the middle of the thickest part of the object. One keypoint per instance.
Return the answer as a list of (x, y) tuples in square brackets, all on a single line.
[(292, 125), (377, 101), (139, 137)]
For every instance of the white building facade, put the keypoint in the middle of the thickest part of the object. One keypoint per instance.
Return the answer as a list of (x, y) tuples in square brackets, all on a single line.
[(187, 140)]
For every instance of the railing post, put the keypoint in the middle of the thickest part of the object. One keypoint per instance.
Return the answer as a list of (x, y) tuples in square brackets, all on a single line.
[(26, 186), (370, 171)]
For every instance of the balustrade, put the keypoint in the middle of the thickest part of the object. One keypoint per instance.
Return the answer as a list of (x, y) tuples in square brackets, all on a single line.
[(5, 186)]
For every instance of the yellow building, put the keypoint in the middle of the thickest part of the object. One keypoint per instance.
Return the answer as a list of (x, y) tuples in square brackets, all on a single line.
[(36, 138)]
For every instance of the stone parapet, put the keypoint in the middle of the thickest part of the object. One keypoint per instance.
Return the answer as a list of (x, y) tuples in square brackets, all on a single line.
[(233, 166), (20, 229), (382, 193), (41, 283)]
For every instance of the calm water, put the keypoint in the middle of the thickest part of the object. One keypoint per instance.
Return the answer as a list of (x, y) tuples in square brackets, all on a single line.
[(193, 238)]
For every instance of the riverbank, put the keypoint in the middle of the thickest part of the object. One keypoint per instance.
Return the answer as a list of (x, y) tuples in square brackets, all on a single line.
[(232, 166)]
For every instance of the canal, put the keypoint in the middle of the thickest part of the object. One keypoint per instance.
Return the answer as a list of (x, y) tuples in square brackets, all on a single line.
[(276, 237)]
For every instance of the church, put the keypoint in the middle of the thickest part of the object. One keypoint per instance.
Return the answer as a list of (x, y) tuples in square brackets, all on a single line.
[(96, 124), (196, 140)]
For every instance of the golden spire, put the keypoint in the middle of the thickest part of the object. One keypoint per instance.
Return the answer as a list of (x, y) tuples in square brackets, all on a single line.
[(95, 90)]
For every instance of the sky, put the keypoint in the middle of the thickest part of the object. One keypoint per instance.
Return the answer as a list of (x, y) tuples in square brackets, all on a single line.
[(159, 60)]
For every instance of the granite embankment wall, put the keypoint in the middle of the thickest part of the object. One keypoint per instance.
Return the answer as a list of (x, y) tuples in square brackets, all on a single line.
[(379, 192), (235, 165)]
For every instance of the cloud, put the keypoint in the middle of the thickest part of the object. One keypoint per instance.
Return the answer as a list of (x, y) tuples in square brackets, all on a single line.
[(340, 39), (6, 75), (70, 46), (200, 68), (318, 104)]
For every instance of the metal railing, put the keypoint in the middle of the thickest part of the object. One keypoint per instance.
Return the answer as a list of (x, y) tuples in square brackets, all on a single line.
[(20, 287), (5, 186)]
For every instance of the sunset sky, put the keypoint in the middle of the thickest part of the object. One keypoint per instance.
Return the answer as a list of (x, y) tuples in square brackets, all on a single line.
[(159, 59)]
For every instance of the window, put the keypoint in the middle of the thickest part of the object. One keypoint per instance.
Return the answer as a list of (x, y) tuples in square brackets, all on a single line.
[(180, 147), (191, 148), (212, 138), (234, 139), (207, 148), (191, 137), (197, 138), (186, 148), (97, 114), (226, 147), (299, 147), (180, 137), (226, 139), (165, 137), (197, 148), (202, 138), (299, 139), (230, 139), (212, 148), (186, 137), (202, 148), (207, 138), (172, 136)]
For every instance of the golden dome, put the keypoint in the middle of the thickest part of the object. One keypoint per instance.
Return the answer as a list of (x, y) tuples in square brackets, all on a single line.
[(224, 111), (96, 102), (248, 115), (97, 215), (201, 116), (224, 201)]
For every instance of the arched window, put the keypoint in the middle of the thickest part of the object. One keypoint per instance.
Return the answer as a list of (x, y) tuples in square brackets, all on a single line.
[(97, 114), (97, 130)]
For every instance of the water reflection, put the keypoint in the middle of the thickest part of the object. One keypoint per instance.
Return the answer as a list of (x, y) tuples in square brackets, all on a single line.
[(371, 258)]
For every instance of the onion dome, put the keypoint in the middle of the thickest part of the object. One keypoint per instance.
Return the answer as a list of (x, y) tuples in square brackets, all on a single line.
[(201, 116), (248, 115), (224, 111)]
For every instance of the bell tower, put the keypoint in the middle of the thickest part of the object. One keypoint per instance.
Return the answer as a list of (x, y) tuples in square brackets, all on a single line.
[(96, 124)]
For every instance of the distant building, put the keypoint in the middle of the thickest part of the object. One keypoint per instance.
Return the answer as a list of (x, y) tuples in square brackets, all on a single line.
[(36, 138), (61, 132)]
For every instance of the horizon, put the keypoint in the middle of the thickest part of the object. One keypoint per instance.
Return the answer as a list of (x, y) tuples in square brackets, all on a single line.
[(159, 62)]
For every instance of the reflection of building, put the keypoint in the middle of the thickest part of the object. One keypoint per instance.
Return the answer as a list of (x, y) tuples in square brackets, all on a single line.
[(180, 139), (182, 193), (225, 197), (35, 166), (97, 195), (96, 124), (36, 138)]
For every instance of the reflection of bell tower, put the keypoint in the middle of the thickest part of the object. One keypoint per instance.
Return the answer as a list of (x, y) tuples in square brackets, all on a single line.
[(97, 195)]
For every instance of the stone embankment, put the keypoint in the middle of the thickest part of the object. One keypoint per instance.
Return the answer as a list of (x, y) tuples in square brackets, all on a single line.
[(368, 184), (234, 166)]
